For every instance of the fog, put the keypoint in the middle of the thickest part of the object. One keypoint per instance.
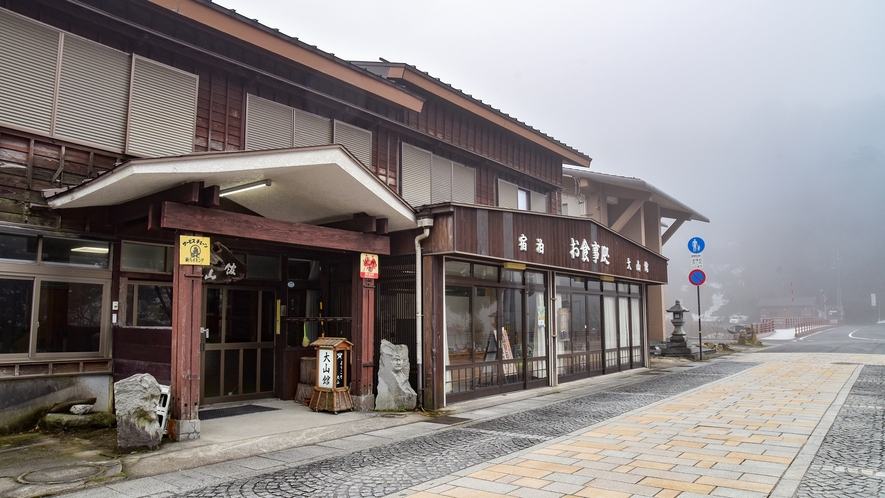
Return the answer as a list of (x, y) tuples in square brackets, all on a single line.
[(766, 117)]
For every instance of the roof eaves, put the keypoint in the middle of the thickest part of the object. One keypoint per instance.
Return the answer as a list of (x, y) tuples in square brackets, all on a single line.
[(633, 182), (348, 73), (572, 153)]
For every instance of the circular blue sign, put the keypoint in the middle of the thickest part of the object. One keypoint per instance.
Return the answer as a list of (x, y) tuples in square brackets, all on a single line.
[(697, 277), (696, 245)]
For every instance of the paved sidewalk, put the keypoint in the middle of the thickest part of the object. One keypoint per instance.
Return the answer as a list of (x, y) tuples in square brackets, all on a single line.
[(743, 425), (753, 434)]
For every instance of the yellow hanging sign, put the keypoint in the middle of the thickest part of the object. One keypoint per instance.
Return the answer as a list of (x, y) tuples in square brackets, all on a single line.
[(194, 250)]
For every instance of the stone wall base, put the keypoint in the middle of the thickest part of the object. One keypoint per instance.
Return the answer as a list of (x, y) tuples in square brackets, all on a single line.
[(183, 430), (365, 403)]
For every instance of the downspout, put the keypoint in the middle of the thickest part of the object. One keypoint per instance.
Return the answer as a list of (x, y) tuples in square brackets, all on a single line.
[(426, 223)]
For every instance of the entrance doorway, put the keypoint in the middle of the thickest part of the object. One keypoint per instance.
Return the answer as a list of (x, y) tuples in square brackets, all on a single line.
[(238, 344)]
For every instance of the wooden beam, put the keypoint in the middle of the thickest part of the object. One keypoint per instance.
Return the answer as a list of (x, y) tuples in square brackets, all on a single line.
[(188, 193), (219, 222), (154, 214), (622, 220), (211, 196), (361, 222), (670, 231), (381, 226)]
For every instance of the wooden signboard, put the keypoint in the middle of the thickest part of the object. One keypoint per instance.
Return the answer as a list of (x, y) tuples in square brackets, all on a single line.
[(507, 353)]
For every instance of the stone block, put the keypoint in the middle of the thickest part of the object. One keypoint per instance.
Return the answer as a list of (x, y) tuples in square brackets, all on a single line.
[(66, 421), (136, 399), (183, 430)]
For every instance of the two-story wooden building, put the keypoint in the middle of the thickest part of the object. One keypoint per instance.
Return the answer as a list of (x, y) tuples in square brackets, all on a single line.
[(635, 209), (135, 132)]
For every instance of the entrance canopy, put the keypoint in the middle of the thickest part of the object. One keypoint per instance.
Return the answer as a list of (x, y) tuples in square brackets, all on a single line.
[(310, 185)]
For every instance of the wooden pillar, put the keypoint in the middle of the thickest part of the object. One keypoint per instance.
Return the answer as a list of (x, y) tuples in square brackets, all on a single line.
[(362, 387), (657, 315), (187, 310), (434, 352)]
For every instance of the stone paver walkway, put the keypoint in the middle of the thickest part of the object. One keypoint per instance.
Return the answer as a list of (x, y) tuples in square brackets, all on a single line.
[(752, 434)]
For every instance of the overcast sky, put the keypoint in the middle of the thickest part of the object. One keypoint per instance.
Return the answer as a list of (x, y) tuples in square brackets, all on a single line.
[(763, 116)]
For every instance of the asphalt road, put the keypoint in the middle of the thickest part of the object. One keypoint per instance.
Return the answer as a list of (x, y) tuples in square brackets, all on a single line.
[(845, 339)]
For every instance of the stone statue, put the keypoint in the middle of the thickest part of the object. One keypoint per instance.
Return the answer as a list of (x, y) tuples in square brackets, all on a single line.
[(394, 390), (136, 400), (747, 337)]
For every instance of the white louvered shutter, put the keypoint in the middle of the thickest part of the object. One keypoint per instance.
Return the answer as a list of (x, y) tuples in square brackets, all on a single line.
[(311, 129), (28, 54), (508, 195), (356, 140), (539, 202), (440, 180), (415, 179), (93, 93), (269, 125), (463, 184), (163, 109)]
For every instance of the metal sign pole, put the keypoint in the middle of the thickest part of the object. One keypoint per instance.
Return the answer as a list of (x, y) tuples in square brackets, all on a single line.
[(697, 277), (700, 340)]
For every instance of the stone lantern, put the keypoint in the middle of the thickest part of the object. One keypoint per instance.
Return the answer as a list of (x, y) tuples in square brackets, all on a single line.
[(677, 346)]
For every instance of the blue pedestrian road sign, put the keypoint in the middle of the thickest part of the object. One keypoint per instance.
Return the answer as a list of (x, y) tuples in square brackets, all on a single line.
[(696, 245), (697, 277)]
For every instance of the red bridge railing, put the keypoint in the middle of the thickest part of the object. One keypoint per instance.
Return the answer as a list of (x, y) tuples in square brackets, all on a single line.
[(801, 326)]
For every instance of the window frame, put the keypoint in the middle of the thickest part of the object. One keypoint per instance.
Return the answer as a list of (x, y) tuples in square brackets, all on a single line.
[(37, 272), (122, 318), (170, 258), (38, 275)]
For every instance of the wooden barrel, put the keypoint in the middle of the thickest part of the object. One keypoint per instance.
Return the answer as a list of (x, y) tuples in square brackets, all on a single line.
[(308, 372)]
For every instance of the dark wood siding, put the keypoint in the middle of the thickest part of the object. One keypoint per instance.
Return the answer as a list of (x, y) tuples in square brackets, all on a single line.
[(29, 164), (220, 110), (462, 228), (140, 350)]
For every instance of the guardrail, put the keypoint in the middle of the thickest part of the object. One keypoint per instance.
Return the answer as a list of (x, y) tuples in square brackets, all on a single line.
[(805, 325), (766, 327), (801, 326)]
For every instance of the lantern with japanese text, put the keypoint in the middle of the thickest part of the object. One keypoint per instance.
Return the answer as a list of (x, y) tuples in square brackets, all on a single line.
[(331, 392)]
